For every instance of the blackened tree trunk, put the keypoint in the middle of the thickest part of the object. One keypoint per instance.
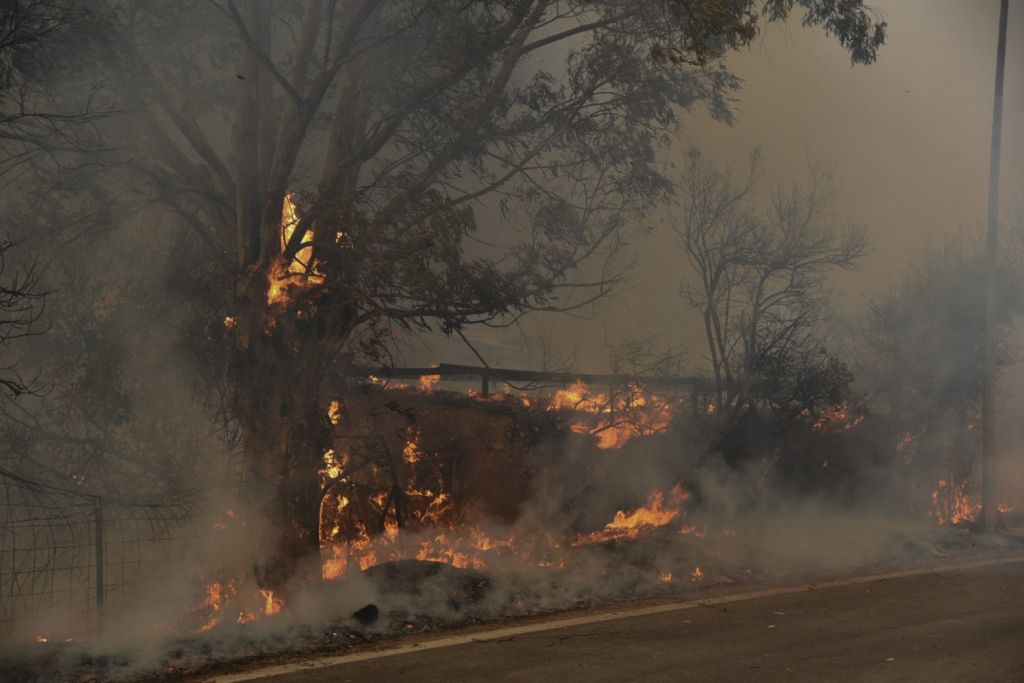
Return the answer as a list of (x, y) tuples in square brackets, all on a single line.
[(280, 358), (284, 434)]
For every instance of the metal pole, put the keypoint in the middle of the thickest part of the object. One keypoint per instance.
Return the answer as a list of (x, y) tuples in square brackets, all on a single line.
[(100, 587), (988, 402)]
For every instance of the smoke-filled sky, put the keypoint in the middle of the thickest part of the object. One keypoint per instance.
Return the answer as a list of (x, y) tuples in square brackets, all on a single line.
[(907, 136)]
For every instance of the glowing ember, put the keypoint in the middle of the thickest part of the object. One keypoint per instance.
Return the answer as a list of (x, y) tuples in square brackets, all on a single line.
[(427, 382), (412, 453), (907, 446), (696, 574), (952, 505), (839, 418), (334, 412), (332, 466), (665, 577), (213, 604)]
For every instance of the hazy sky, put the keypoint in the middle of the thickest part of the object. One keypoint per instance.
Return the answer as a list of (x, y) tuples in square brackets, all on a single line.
[(908, 137)]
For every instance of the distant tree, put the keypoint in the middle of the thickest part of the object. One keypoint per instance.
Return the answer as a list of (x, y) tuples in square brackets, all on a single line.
[(21, 306), (37, 119), (759, 285), (28, 128), (335, 162), (924, 345)]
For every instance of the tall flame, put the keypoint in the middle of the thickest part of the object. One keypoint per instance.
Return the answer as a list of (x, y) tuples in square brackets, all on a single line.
[(299, 268), (655, 512), (951, 504)]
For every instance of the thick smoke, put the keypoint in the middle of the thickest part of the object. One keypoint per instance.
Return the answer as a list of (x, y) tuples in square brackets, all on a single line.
[(134, 395)]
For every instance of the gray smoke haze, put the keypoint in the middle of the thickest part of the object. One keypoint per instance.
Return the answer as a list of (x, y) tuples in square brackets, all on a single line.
[(909, 140), (908, 137)]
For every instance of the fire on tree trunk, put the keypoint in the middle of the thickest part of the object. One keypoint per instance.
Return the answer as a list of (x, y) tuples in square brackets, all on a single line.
[(284, 435)]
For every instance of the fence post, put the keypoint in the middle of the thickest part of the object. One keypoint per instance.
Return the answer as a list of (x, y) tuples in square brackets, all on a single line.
[(100, 587)]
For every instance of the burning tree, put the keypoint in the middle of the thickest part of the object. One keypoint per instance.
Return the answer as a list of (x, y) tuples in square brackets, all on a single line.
[(354, 169)]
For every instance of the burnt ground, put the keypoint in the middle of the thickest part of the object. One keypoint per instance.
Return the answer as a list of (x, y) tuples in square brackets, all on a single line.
[(423, 600)]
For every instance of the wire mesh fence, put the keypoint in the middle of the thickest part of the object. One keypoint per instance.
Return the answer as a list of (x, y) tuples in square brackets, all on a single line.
[(69, 561)]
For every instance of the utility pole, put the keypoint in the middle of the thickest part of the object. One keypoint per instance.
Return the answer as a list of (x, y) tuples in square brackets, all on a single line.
[(989, 513)]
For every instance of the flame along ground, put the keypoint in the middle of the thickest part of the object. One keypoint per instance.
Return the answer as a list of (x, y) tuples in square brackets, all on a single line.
[(434, 533), (438, 535)]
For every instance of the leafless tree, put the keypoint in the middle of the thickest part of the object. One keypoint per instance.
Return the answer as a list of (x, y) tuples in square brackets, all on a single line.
[(760, 280), (21, 307), (28, 127), (37, 120)]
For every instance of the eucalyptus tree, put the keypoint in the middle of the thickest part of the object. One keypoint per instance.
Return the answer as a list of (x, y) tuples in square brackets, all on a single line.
[(353, 167)]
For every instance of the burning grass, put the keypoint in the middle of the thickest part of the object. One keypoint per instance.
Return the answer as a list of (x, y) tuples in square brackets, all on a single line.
[(440, 510), (418, 475)]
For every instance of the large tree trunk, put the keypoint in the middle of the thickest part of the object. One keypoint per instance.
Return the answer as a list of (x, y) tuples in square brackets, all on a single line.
[(285, 432), (283, 346)]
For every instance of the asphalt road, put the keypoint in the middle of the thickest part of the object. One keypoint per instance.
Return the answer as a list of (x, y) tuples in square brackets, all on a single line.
[(952, 625)]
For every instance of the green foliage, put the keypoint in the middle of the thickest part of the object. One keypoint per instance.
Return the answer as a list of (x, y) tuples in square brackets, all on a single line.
[(713, 26)]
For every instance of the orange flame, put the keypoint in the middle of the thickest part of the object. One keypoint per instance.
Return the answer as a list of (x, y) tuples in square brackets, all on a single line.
[(334, 412), (299, 269), (952, 505), (838, 418), (427, 382), (614, 421), (412, 453), (348, 542), (654, 513)]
